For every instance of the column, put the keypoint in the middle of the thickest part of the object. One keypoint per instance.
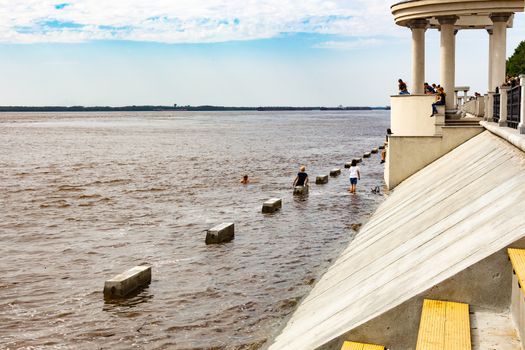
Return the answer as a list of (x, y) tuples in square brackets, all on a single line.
[(521, 125), (486, 105), (418, 27), (503, 92), (491, 53), (499, 46), (489, 116), (448, 57)]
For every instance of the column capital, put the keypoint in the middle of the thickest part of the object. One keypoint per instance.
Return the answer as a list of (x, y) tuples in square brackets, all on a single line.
[(418, 24), (447, 19), (490, 31), (500, 17)]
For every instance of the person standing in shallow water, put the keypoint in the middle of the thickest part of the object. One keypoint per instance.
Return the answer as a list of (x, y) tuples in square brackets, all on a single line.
[(302, 178), (355, 174)]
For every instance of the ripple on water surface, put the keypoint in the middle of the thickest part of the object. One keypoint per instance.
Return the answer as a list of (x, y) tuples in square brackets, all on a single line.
[(87, 196)]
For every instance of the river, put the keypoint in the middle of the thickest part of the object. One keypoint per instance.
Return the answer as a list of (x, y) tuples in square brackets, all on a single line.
[(85, 196)]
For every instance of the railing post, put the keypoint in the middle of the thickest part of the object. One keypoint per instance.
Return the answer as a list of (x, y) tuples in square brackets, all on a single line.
[(489, 114), (521, 125), (503, 91)]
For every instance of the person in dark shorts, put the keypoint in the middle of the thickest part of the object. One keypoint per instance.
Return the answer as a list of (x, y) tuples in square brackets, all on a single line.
[(355, 174), (302, 178)]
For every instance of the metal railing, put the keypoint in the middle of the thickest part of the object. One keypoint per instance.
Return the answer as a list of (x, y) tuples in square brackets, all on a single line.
[(495, 112), (513, 107)]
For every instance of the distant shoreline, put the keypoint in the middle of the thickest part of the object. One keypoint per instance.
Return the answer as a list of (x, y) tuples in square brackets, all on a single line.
[(176, 108)]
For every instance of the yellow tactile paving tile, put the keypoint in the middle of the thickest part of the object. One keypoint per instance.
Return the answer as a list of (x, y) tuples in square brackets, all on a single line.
[(517, 258), (444, 326), (348, 345), (457, 327)]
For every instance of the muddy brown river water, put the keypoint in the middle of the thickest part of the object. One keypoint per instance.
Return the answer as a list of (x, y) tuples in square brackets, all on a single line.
[(85, 196)]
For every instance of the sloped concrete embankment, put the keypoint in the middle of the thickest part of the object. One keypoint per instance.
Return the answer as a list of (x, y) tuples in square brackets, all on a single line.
[(441, 234)]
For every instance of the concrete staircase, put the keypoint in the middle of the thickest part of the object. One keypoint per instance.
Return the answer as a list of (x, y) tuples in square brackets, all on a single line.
[(467, 122)]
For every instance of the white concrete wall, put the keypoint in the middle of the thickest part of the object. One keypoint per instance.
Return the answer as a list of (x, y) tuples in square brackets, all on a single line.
[(458, 211), (410, 115), (517, 308), (406, 155)]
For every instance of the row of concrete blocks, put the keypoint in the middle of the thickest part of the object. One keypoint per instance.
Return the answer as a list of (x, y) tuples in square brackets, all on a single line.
[(140, 276)]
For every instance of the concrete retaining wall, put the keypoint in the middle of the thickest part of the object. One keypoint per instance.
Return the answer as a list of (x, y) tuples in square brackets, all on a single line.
[(406, 155), (410, 115)]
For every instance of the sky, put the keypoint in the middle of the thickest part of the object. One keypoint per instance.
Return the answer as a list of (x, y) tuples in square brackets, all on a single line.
[(218, 52)]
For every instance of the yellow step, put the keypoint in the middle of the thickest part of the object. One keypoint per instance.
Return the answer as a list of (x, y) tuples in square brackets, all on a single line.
[(444, 325), (349, 345), (517, 259)]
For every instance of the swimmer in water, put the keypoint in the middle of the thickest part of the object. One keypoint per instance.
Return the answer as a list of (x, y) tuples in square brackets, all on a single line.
[(245, 180)]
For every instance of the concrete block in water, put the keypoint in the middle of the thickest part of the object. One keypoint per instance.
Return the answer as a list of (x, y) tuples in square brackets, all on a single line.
[(127, 282), (272, 205), (366, 155), (220, 234), (358, 160), (348, 165), (381, 147), (300, 190), (335, 172), (321, 180), (375, 150)]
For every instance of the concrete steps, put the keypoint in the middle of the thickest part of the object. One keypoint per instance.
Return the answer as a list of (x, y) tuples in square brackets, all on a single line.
[(463, 122)]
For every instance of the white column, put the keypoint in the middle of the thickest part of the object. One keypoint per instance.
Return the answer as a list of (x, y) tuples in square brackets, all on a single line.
[(499, 46), (521, 125), (491, 53), (448, 57), (486, 105), (503, 92), (489, 116), (418, 27)]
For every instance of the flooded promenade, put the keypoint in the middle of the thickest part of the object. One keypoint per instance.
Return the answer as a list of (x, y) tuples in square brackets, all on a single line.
[(86, 196)]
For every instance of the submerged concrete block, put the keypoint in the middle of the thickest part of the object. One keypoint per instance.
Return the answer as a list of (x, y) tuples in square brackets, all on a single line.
[(366, 155), (272, 205), (321, 180), (335, 172), (348, 165), (127, 282), (375, 150), (300, 190), (220, 234)]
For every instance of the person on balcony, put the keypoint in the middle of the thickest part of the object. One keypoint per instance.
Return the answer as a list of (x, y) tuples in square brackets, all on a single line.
[(403, 90), (440, 100), (429, 90)]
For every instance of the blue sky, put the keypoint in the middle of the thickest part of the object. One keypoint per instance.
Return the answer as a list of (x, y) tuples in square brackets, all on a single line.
[(250, 52)]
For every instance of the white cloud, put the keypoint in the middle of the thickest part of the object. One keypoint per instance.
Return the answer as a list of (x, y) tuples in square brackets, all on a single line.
[(188, 21), (349, 44)]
